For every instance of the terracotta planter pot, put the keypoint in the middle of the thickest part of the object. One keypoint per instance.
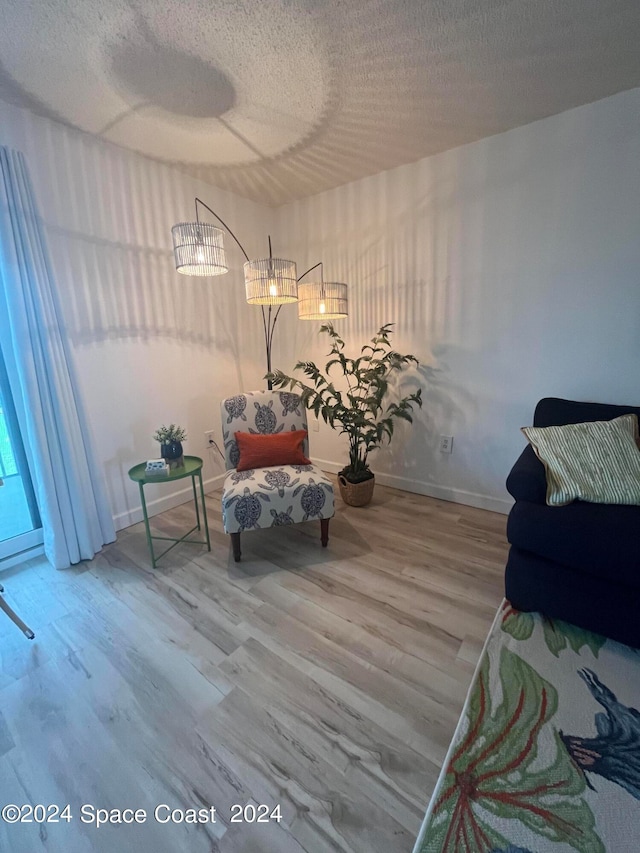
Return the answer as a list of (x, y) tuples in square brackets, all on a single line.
[(356, 494)]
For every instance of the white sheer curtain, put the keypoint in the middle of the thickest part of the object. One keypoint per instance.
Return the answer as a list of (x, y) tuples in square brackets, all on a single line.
[(68, 483)]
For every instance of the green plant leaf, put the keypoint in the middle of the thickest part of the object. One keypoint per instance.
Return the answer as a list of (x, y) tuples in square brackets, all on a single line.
[(518, 624), (498, 768), (358, 411), (558, 635)]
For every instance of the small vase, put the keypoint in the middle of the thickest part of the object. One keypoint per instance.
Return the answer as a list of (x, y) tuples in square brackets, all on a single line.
[(172, 452)]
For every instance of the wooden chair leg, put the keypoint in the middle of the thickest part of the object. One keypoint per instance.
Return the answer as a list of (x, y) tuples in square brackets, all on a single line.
[(235, 542), (324, 531)]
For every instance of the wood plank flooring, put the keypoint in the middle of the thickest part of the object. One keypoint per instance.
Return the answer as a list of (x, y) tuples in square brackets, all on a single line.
[(328, 681)]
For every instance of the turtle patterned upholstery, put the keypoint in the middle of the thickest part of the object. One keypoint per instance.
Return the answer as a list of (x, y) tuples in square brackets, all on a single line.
[(279, 494)]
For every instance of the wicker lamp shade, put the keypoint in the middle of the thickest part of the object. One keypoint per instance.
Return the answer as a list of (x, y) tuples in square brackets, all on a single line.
[(198, 249), (326, 300), (270, 281)]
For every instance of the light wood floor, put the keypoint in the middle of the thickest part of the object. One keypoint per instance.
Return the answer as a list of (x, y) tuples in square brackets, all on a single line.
[(328, 681)]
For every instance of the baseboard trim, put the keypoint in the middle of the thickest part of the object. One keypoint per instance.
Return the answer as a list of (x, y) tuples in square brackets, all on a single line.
[(406, 484), (161, 504), (432, 490), (21, 557)]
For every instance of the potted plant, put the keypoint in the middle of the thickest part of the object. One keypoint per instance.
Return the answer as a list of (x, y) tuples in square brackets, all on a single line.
[(359, 412), (171, 438)]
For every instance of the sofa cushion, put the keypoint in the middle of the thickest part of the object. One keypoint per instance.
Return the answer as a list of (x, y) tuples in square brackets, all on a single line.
[(527, 480), (271, 497), (596, 461), (595, 538), (554, 411), (593, 603)]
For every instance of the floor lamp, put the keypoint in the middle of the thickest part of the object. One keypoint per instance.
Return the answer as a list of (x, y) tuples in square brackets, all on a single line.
[(198, 249)]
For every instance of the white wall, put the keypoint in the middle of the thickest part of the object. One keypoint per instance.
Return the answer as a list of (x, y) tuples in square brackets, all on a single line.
[(150, 346), (511, 268)]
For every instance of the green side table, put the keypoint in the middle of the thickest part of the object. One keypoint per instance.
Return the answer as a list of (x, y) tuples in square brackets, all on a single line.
[(192, 468)]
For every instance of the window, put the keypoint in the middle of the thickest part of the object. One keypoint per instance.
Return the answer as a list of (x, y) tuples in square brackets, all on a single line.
[(20, 526)]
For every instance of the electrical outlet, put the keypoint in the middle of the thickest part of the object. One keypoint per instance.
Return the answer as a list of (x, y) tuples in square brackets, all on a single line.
[(315, 426), (446, 443), (212, 444), (210, 440)]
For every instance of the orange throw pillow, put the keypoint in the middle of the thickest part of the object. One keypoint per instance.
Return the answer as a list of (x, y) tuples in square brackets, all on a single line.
[(264, 451)]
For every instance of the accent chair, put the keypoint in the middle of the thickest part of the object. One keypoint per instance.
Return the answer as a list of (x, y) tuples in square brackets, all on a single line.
[(274, 495)]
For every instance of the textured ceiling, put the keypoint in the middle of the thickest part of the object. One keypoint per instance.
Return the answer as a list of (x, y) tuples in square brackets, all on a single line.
[(278, 99)]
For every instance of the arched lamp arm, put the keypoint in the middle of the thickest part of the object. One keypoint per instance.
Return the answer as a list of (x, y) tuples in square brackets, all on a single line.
[(277, 314), (222, 222), (300, 277)]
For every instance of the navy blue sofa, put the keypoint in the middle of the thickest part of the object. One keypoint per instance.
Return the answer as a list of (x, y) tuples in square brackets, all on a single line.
[(580, 562)]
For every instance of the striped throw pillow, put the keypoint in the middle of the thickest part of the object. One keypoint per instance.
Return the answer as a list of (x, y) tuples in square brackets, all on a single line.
[(597, 462)]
